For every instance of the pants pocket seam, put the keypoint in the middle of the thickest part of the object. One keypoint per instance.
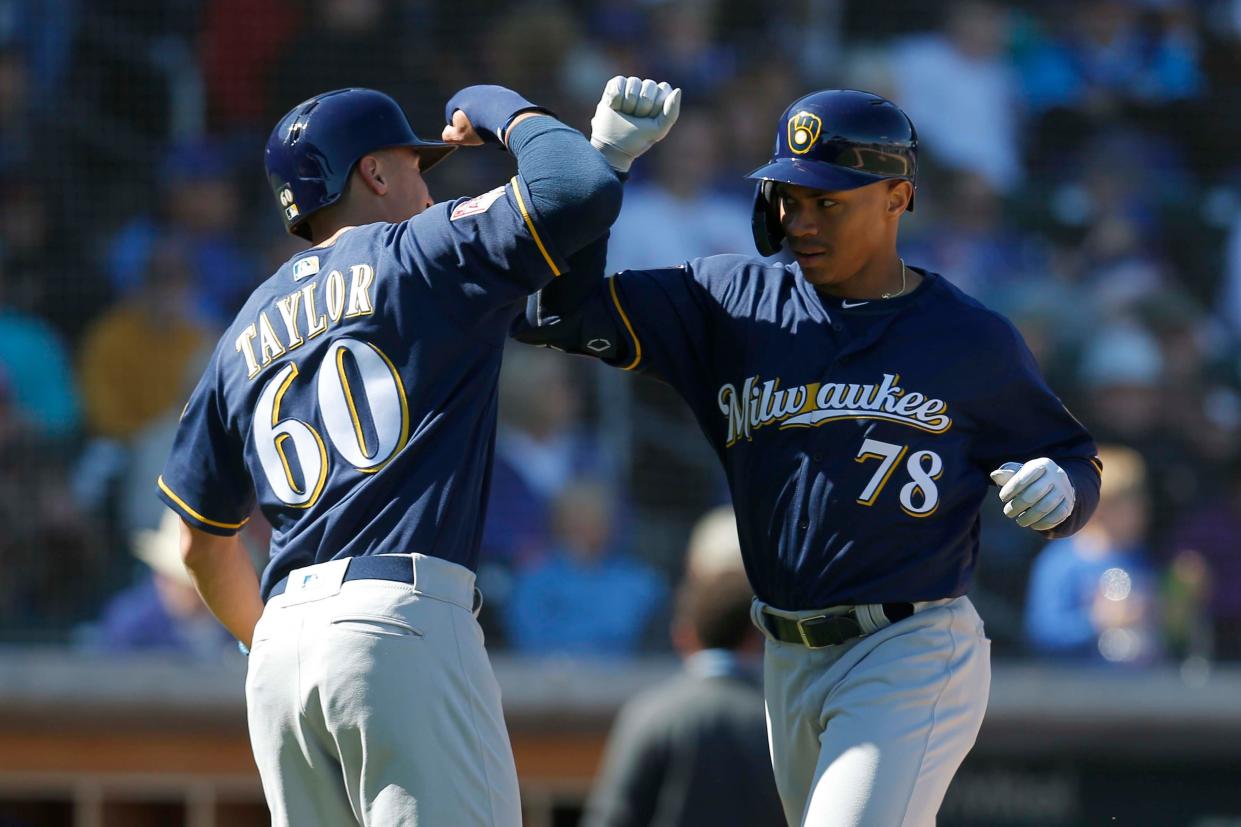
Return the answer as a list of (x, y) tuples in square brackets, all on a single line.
[(343, 622)]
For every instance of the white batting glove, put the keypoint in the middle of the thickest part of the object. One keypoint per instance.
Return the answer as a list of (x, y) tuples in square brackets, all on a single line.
[(632, 116), (1037, 495)]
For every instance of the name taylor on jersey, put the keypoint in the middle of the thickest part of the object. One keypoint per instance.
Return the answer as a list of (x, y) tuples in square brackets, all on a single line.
[(758, 404), (306, 313)]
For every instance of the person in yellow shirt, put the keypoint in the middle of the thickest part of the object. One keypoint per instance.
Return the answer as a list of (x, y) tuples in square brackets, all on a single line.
[(136, 357)]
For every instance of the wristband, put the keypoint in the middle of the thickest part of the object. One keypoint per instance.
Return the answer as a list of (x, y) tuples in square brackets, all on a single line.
[(489, 108)]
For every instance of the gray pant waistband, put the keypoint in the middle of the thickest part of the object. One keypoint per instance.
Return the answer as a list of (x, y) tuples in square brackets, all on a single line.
[(870, 616)]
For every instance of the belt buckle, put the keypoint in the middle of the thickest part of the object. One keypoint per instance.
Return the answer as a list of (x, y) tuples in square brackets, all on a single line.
[(801, 630)]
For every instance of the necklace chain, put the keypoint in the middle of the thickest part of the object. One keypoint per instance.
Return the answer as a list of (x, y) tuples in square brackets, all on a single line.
[(904, 274)]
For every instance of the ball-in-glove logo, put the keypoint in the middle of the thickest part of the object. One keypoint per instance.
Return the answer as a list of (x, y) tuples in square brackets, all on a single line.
[(804, 129)]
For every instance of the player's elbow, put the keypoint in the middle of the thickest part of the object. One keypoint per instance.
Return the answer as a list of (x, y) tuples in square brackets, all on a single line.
[(605, 196), (192, 549), (198, 548), (595, 206)]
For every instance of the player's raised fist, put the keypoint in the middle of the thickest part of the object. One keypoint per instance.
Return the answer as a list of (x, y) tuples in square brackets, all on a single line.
[(632, 116), (460, 131)]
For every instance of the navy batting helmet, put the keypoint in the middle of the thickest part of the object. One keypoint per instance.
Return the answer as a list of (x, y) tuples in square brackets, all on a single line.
[(838, 139), (314, 147)]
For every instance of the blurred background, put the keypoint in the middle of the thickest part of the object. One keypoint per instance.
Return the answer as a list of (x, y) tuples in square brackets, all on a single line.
[(1080, 172)]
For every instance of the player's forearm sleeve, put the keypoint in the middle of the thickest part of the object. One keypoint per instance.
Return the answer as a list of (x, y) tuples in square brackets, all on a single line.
[(572, 313), (1084, 474), (575, 194)]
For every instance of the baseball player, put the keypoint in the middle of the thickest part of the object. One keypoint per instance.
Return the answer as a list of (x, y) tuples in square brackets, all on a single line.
[(861, 407), (354, 398)]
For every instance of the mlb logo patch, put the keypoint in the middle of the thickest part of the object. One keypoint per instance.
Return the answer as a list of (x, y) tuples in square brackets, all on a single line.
[(305, 268), (315, 582), (476, 205), (286, 200)]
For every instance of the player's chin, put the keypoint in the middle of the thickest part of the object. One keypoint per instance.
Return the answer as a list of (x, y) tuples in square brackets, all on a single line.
[(815, 267)]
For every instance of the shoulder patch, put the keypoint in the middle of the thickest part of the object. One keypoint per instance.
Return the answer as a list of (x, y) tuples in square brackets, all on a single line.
[(474, 206)]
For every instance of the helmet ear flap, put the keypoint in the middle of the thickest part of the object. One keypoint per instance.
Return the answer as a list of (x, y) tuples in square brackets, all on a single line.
[(765, 223)]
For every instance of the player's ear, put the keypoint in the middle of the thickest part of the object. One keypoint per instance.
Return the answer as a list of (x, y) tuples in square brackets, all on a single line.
[(900, 193), (370, 168)]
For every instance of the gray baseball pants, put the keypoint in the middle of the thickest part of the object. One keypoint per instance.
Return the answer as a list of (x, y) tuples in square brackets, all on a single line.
[(870, 733), (373, 703)]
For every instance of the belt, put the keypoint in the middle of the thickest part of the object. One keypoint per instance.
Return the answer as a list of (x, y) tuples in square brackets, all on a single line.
[(369, 567), (825, 630)]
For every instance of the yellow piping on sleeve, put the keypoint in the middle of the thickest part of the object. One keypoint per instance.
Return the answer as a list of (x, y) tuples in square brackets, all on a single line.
[(525, 213), (163, 486), (1098, 465), (637, 345)]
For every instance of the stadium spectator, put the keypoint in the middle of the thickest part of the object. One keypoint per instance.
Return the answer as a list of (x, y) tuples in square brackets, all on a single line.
[(200, 205), (685, 47), (41, 252), (55, 562), (144, 455), (1109, 53), (537, 72), (1206, 542), (693, 751), (960, 89), (541, 448), (135, 357), (344, 43), (972, 244), (714, 545), (586, 597), (1122, 379), (241, 41), (161, 611), (40, 382), (44, 32), (676, 216), (1092, 596)]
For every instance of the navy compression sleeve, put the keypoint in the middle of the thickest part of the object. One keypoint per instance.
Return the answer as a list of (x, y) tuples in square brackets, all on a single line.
[(1086, 481), (576, 194)]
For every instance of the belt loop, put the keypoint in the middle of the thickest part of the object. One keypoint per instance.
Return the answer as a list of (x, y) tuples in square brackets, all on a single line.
[(413, 563), (871, 617), (756, 617)]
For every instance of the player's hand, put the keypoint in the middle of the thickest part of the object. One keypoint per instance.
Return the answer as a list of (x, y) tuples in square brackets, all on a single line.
[(632, 116), (1037, 495), (460, 131)]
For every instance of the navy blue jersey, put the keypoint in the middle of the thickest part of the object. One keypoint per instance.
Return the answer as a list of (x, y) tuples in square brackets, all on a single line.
[(354, 396), (857, 437)]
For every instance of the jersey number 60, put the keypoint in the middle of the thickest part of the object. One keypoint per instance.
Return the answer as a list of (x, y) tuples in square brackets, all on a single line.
[(338, 408)]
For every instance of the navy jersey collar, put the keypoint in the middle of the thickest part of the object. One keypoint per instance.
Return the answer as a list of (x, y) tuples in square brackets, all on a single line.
[(823, 307)]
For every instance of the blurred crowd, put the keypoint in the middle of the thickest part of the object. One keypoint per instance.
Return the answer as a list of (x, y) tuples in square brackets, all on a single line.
[(1079, 172)]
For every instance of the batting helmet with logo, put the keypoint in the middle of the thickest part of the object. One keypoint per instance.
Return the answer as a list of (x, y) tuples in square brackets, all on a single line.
[(313, 149), (838, 139)]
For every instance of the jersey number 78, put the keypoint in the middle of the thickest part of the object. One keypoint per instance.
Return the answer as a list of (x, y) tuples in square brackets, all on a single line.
[(919, 497), (383, 395)]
